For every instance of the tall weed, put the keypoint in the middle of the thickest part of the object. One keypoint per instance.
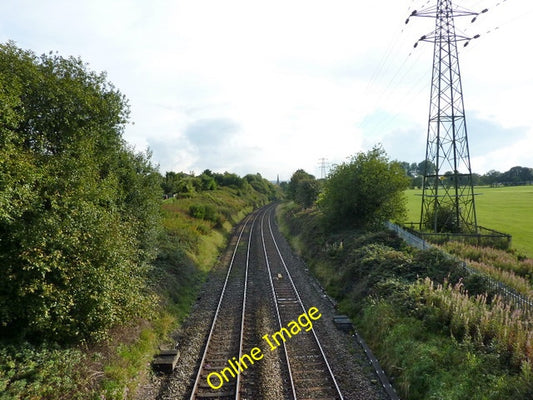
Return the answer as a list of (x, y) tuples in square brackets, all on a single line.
[(504, 260), (491, 325)]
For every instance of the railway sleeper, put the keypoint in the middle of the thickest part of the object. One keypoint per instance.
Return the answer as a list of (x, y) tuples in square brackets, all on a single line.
[(213, 395), (310, 369), (308, 372), (307, 356), (205, 388), (316, 390), (215, 364), (283, 302)]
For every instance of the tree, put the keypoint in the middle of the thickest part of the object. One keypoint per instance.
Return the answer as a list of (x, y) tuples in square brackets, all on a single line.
[(491, 177), (79, 211), (298, 176), (410, 169), (517, 175), (303, 188), (425, 167), (207, 182), (364, 192), (307, 192), (261, 185), (170, 183), (229, 179)]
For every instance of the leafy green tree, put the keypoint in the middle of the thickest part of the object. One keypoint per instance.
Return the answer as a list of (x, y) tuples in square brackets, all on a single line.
[(307, 192), (79, 211), (364, 192), (410, 169), (298, 176), (262, 185), (229, 179), (425, 167), (491, 177), (170, 182), (518, 175), (303, 188), (207, 182)]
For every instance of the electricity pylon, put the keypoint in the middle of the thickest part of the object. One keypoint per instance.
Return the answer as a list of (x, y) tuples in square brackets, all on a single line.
[(448, 193), (323, 167)]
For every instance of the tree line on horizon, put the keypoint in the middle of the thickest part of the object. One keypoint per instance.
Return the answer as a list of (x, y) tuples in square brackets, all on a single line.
[(514, 176), (181, 184), (368, 190)]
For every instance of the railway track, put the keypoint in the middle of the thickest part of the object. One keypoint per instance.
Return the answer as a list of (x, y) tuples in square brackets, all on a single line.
[(258, 279), (310, 373), (225, 338)]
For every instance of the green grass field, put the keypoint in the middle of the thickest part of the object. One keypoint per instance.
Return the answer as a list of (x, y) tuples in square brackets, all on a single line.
[(505, 209)]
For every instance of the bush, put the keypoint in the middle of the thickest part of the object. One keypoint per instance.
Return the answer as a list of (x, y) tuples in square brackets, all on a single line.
[(79, 211), (365, 192), (43, 372), (205, 212)]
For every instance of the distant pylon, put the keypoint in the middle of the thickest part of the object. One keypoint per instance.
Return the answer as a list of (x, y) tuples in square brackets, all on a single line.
[(323, 167), (448, 193)]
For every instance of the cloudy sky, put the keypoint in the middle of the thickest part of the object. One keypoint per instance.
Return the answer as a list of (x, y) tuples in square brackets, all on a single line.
[(252, 86)]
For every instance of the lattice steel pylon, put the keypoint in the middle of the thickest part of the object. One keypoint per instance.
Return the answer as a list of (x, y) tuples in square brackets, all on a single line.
[(448, 194)]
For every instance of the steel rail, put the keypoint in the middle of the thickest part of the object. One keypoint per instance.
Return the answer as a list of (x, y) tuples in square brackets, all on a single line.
[(213, 323), (291, 379), (241, 339), (332, 376)]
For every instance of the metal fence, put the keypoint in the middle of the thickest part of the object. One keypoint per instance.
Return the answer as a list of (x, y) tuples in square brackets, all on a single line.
[(508, 294), (480, 236)]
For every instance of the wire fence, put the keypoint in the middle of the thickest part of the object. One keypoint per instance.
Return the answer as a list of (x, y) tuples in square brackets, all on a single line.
[(507, 293)]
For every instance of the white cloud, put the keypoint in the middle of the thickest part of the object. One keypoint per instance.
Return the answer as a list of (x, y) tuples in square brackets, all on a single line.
[(300, 79)]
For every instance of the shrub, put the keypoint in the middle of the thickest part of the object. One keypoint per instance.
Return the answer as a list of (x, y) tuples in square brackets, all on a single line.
[(206, 212), (79, 211), (365, 192)]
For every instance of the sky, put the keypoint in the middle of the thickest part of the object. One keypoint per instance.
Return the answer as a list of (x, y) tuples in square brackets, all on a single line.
[(269, 87)]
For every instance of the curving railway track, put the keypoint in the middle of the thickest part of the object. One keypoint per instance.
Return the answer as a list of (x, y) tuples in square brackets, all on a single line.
[(310, 374), (225, 364), (264, 332), (225, 337)]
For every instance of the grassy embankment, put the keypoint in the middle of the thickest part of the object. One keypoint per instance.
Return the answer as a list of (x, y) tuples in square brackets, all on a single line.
[(435, 331), (505, 209), (188, 249)]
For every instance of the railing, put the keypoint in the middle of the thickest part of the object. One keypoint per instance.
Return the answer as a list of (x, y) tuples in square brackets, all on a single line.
[(409, 237), (481, 236), (507, 293)]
